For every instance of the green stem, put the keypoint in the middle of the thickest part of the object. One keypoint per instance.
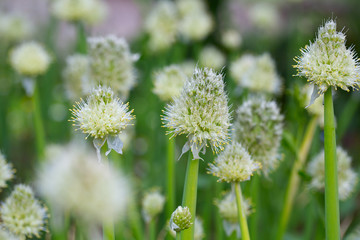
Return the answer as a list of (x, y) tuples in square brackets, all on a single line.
[(108, 231), (241, 214), (255, 184), (332, 215), (294, 179), (170, 183), (190, 194), (38, 123), (346, 116), (81, 45), (152, 229)]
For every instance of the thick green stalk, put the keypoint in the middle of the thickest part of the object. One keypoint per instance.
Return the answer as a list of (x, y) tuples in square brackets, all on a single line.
[(152, 229), (255, 184), (294, 179), (332, 215), (81, 45), (190, 194), (241, 214), (108, 231), (38, 123), (170, 183)]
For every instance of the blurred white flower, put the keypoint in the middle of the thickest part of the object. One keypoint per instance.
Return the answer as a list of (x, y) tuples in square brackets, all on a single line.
[(6, 235), (152, 204), (6, 172), (231, 39), (265, 16), (212, 57), (199, 233), (14, 28)]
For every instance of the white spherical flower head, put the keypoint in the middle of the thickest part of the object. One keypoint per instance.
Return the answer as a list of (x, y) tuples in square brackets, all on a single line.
[(201, 112), (169, 82), (30, 59), (161, 25), (195, 23), (234, 164), (258, 126), (327, 62), (112, 63), (22, 214), (257, 73), (87, 11), (73, 181), (102, 116), (152, 204), (14, 27), (231, 39), (347, 177), (6, 172), (212, 57), (180, 219), (76, 76)]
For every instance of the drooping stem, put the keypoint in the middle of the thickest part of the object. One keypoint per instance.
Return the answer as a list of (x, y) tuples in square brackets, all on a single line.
[(294, 179), (190, 194), (241, 214), (332, 217), (38, 123), (170, 183)]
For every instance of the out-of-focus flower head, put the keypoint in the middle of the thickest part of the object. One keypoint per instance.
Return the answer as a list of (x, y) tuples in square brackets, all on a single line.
[(6, 172), (212, 57), (265, 17), (14, 28), (86, 11), (258, 126), (347, 177), (199, 233), (72, 180), (231, 39), (22, 214), (6, 235), (201, 112), (112, 63), (168, 82), (152, 204)]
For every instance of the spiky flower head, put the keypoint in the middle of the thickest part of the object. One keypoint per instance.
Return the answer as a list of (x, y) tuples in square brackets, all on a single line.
[(327, 62), (14, 27), (257, 73), (180, 219), (347, 177), (228, 211), (102, 116), (258, 126), (112, 63), (234, 164), (73, 181), (231, 39), (195, 23), (169, 82), (199, 233), (22, 214), (6, 172), (212, 57), (76, 76), (161, 25), (87, 11), (201, 112), (30, 59), (152, 204)]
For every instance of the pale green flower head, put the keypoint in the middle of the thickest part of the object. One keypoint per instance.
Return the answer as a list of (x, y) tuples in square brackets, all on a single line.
[(180, 219), (30, 59), (22, 214), (161, 25), (102, 116), (152, 204), (112, 63), (6, 172), (201, 112), (169, 82), (14, 27), (327, 62), (212, 57), (231, 39), (234, 164), (258, 126), (76, 76), (347, 177)]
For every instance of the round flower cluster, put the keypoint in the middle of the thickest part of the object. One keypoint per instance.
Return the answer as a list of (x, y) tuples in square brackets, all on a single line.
[(327, 62), (168, 82), (212, 57), (6, 171), (73, 181), (231, 39), (22, 214), (76, 76), (347, 177), (14, 27), (258, 73), (201, 112), (152, 204), (265, 17), (30, 59), (180, 219), (234, 164), (87, 11), (258, 126), (111, 63)]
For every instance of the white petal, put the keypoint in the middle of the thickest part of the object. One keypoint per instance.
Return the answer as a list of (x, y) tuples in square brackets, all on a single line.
[(315, 94), (114, 142)]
